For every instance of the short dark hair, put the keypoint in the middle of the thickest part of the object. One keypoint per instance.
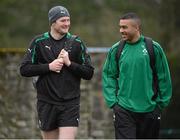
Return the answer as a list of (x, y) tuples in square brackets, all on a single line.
[(132, 15)]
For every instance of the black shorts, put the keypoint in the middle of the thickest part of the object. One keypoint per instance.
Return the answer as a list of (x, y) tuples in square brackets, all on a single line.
[(52, 116)]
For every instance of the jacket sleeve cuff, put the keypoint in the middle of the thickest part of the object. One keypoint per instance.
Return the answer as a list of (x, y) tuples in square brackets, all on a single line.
[(45, 68), (73, 66), (113, 105)]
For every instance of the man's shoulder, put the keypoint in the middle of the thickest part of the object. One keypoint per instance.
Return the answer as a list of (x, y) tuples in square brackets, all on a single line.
[(114, 47), (40, 37), (155, 43), (156, 46), (75, 37)]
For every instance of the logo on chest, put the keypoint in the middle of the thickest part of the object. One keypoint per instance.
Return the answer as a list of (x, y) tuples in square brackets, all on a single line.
[(144, 51), (48, 47)]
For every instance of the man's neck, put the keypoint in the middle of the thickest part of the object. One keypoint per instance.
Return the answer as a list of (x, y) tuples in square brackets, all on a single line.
[(56, 35), (135, 39)]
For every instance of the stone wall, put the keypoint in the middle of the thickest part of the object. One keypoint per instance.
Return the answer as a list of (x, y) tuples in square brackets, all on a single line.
[(18, 117)]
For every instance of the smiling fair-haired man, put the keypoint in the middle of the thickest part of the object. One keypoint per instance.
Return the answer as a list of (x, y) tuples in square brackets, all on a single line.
[(59, 70)]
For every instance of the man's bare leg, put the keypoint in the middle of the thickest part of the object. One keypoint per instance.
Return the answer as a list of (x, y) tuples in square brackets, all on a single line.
[(67, 132), (53, 134)]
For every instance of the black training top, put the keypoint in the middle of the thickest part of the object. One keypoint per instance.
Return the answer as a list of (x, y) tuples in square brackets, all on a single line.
[(52, 87)]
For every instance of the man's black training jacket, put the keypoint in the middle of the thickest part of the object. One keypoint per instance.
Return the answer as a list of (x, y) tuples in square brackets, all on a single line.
[(52, 87)]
